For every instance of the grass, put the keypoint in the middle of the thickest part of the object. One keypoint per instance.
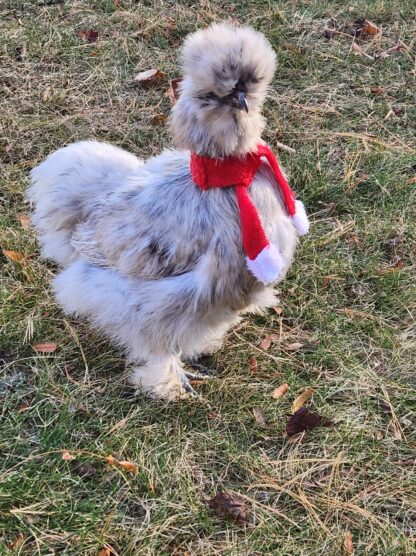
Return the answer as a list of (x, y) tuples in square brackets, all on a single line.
[(349, 299)]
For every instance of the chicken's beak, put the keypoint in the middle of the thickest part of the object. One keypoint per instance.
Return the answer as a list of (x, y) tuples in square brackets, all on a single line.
[(242, 101)]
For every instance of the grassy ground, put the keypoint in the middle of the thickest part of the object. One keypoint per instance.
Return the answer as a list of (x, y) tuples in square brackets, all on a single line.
[(349, 299)]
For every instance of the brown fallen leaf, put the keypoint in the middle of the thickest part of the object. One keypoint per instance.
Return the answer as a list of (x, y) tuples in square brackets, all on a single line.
[(105, 551), (128, 466), (17, 543), (348, 544), (89, 36), (24, 220), (294, 347), (358, 50), (356, 241), (170, 23), (46, 347), (266, 342), (159, 119), (111, 460), (367, 30), (260, 417), (304, 420), (174, 89), (390, 51), (377, 90), (280, 391), (46, 94), (300, 400), (14, 256), (254, 366), (67, 456), (230, 505), (148, 77), (196, 381)]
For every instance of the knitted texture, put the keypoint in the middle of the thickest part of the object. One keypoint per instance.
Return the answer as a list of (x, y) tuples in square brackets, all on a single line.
[(209, 173)]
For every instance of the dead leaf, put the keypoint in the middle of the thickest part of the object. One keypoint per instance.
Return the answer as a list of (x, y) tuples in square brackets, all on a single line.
[(348, 544), (89, 36), (174, 90), (128, 466), (159, 119), (105, 551), (170, 23), (32, 518), (354, 239), (303, 420), (254, 366), (14, 256), (390, 51), (111, 460), (294, 347), (377, 90), (196, 382), (46, 94), (358, 50), (149, 77), (213, 415), (397, 430), (17, 543), (67, 456), (84, 470), (367, 30), (302, 399), (280, 391), (230, 505), (24, 220), (260, 417), (46, 347), (278, 310), (266, 342)]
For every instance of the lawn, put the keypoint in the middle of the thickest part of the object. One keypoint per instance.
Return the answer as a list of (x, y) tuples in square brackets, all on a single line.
[(341, 117)]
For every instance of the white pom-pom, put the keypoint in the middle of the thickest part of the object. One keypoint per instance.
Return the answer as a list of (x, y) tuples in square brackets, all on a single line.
[(268, 266), (300, 219)]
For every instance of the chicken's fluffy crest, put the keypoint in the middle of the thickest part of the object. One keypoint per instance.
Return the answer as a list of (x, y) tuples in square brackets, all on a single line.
[(214, 61)]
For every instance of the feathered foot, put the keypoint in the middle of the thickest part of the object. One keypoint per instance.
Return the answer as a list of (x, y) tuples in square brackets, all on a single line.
[(162, 377)]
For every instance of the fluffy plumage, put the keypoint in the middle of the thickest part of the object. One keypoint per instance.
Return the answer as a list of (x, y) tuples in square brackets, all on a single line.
[(148, 257)]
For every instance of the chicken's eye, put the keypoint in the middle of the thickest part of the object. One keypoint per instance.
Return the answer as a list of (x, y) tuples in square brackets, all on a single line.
[(239, 86)]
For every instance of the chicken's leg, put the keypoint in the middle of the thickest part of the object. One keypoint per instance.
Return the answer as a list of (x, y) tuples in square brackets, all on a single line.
[(162, 377)]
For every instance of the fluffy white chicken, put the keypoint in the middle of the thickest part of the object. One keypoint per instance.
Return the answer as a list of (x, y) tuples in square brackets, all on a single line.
[(148, 257)]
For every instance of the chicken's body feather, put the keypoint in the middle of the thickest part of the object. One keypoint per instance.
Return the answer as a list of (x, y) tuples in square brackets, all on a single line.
[(151, 246)]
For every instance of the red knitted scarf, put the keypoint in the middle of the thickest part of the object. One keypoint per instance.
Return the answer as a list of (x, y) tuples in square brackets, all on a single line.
[(208, 173)]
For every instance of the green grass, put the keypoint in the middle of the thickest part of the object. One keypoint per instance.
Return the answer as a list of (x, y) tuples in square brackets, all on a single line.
[(350, 298)]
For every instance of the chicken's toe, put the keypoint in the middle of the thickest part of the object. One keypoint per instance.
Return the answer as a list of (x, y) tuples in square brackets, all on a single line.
[(162, 378)]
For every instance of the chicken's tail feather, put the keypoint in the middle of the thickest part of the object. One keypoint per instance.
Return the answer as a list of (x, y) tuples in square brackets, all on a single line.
[(68, 184)]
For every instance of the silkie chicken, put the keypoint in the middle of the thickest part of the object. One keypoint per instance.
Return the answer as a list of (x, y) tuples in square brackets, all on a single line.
[(164, 256)]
